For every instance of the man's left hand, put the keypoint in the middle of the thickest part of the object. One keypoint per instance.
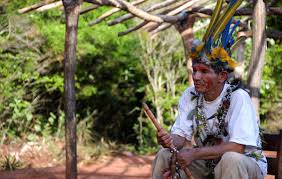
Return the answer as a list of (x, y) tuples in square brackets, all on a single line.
[(185, 157)]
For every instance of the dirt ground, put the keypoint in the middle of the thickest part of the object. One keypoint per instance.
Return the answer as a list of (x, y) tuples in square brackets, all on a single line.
[(110, 167), (43, 166)]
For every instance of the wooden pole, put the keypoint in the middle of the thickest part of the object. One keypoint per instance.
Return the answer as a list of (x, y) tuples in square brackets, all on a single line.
[(72, 9), (185, 30), (258, 51)]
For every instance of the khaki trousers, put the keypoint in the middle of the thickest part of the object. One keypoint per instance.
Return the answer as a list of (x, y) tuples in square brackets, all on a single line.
[(232, 165)]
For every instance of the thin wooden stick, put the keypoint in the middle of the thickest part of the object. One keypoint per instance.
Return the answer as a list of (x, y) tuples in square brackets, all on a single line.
[(35, 6), (50, 6), (152, 117), (152, 8), (152, 26), (159, 127), (161, 28), (112, 11), (89, 8), (133, 28), (126, 6)]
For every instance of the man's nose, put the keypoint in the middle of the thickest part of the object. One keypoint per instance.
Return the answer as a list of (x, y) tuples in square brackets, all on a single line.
[(197, 75)]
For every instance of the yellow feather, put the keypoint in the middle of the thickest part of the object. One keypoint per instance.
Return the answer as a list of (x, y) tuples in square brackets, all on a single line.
[(214, 19), (229, 13)]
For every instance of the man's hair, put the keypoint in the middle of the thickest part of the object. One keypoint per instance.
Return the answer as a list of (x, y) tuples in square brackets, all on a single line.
[(217, 65)]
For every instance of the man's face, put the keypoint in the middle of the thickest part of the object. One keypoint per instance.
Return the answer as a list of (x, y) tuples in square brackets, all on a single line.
[(205, 79)]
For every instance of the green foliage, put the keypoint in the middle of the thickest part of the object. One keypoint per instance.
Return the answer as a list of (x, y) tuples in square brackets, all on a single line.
[(271, 89), (109, 79), (10, 163), (162, 60)]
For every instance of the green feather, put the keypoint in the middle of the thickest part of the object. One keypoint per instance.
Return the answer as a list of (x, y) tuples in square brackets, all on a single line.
[(225, 17), (214, 19), (238, 42)]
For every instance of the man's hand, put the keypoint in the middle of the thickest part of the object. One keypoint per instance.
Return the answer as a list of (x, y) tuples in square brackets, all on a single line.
[(185, 157), (164, 138)]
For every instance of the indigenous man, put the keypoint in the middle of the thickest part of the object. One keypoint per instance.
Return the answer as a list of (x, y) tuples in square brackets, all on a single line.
[(216, 130), (222, 121)]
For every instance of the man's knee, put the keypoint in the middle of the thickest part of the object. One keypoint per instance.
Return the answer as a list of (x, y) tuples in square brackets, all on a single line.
[(231, 158), (163, 153), (160, 162)]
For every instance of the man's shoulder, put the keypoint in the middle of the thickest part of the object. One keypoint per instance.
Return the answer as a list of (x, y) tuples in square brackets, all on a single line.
[(241, 97), (187, 94), (188, 91), (240, 93)]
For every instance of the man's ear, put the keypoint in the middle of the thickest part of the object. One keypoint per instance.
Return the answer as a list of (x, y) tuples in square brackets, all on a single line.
[(222, 76)]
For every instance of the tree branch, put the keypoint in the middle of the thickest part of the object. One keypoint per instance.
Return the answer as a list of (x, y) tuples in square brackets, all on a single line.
[(152, 26), (161, 28), (90, 8), (133, 28), (50, 6), (169, 19), (112, 11), (129, 16), (123, 5), (275, 34), (241, 12), (35, 6)]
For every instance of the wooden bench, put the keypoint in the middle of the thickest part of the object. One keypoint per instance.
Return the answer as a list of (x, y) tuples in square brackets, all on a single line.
[(272, 145)]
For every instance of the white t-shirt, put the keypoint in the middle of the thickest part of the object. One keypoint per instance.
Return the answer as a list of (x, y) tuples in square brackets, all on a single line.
[(241, 118)]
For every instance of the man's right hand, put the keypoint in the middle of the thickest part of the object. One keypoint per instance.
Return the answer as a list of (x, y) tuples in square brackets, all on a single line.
[(164, 138)]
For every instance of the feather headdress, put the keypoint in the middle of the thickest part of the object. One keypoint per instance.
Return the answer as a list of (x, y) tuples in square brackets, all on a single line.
[(215, 47)]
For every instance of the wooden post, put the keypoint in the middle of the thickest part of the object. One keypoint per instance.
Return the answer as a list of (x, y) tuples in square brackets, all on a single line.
[(72, 8), (187, 36), (258, 51)]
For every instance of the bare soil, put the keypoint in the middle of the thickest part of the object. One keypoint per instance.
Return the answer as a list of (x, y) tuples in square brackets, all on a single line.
[(109, 167), (42, 165)]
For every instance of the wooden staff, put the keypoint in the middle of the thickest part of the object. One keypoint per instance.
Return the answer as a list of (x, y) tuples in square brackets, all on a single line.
[(158, 126)]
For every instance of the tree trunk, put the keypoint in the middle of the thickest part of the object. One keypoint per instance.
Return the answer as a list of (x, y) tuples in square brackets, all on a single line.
[(187, 36), (258, 52), (72, 8), (240, 59)]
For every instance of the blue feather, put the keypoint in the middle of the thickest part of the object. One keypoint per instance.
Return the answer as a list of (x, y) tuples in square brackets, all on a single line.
[(232, 30), (231, 42), (232, 2), (225, 34), (208, 45)]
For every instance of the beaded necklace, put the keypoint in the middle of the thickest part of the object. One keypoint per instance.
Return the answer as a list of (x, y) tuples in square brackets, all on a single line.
[(200, 127), (204, 136)]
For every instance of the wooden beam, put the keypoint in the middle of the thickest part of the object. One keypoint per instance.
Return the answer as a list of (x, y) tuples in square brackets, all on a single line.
[(50, 6), (123, 5), (241, 12), (111, 12), (152, 26), (151, 9), (275, 34), (88, 9), (133, 28), (170, 19), (35, 6), (161, 28)]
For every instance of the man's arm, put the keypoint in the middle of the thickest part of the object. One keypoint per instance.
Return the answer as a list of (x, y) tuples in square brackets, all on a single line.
[(165, 139), (180, 142), (186, 156)]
